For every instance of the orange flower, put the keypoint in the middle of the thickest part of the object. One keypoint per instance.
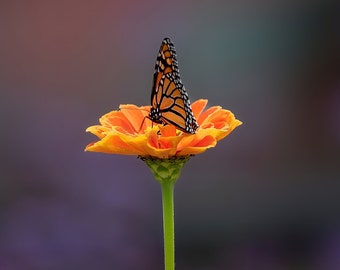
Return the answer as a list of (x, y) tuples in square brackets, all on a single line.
[(128, 131)]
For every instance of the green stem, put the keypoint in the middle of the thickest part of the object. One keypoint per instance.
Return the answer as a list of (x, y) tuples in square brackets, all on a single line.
[(166, 172), (168, 224)]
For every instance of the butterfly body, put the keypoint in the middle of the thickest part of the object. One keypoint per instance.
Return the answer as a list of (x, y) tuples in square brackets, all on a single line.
[(170, 103)]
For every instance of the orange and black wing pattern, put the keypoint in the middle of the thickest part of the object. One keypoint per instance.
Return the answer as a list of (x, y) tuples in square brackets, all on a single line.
[(170, 103)]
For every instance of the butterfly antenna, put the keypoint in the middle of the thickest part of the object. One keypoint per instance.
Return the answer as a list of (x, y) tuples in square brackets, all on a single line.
[(141, 125)]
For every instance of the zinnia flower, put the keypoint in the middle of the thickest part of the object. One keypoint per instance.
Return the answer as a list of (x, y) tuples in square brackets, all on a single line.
[(163, 148), (128, 132)]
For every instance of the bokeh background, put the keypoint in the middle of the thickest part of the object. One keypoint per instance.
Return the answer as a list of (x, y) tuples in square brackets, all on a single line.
[(268, 197)]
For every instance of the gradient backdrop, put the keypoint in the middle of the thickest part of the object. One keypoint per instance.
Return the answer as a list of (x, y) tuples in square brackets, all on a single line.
[(266, 198)]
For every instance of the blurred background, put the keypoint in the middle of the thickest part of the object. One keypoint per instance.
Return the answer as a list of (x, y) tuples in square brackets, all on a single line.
[(267, 197)]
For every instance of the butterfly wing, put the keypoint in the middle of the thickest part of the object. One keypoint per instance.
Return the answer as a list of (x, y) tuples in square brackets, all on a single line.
[(166, 62), (169, 99)]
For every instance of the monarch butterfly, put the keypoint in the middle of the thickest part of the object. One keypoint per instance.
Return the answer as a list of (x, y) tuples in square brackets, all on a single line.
[(170, 103)]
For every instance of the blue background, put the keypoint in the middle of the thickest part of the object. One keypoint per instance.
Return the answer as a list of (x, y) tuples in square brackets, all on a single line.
[(267, 197)]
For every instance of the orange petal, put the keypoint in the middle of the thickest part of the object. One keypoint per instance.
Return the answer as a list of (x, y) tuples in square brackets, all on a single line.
[(135, 115), (207, 113), (111, 145), (157, 148), (198, 106), (198, 146), (99, 131), (167, 130)]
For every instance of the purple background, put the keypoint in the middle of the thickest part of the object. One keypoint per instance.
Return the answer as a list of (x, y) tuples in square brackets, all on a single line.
[(267, 197)]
